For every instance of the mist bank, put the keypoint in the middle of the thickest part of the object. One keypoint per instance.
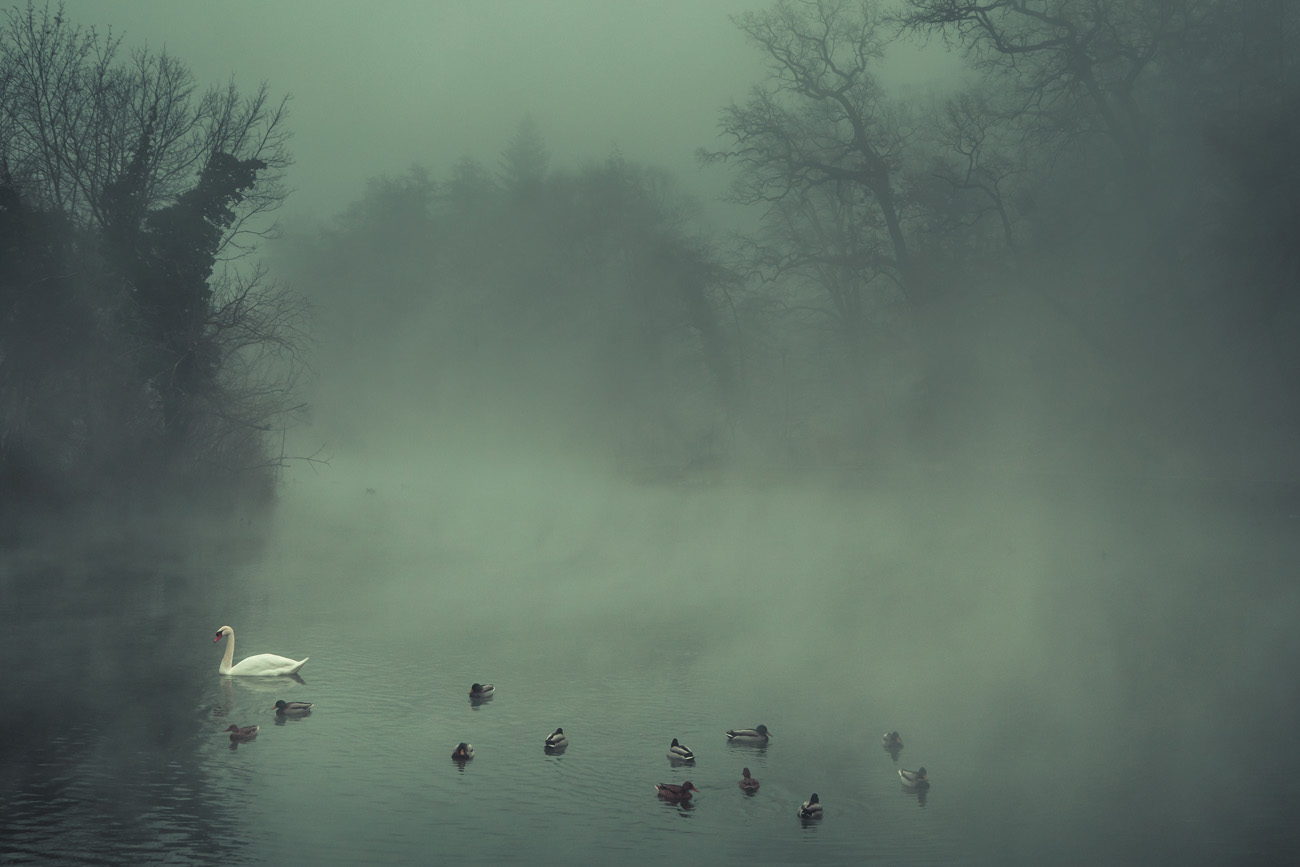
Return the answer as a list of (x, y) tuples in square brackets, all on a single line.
[(1040, 624), (937, 275), (947, 275)]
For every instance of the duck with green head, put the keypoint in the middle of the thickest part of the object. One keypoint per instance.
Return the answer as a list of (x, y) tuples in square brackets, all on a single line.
[(757, 735)]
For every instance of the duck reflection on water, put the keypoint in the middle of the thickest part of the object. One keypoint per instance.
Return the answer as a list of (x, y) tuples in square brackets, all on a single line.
[(915, 783), (892, 743), (481, 693)]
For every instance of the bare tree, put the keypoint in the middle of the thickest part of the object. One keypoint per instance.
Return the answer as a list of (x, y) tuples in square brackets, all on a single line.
[(141, 185), (977, 168), (73, 110), (259, 330), (1076, 65), (826, 235), (821, 120)]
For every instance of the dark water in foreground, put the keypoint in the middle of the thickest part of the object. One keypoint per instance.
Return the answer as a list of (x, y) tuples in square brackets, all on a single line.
[(1099, 679)]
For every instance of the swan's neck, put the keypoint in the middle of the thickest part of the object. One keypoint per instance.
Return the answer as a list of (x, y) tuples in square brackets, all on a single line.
[(229, 658)]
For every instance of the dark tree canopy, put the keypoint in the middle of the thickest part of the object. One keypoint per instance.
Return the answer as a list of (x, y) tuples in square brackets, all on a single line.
[(131, 354)]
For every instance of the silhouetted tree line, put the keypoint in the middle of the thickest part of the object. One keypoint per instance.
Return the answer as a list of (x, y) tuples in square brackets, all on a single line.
[(133, 361), (1111, 195), (1088, 248), (537, 307)]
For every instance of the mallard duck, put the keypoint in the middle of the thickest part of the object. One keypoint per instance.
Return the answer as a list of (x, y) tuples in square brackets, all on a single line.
[(481, 690), (673, 792), (757, 735), (892, 743), (811, 808), (293, 708), (680, 753), (914, 779), (243, 733), (556, 740), (463, 752), (748, 783), (260, 665)]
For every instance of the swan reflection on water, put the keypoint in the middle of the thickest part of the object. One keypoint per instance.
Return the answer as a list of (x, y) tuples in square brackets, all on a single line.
[(265, 686)]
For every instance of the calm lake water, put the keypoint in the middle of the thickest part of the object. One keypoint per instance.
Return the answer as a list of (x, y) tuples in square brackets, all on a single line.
[(1101, 677)]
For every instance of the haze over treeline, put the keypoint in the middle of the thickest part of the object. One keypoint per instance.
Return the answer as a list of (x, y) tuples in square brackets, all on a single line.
[(1081, 254)]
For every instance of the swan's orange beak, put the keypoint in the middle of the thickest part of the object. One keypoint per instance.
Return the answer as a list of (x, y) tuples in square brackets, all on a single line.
[(218, 638)]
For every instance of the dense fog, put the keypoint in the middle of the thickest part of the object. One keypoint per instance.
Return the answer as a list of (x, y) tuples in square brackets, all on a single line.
[(652, 237), (895, 364)]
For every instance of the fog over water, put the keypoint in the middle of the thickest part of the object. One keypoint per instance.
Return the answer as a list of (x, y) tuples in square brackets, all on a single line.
[(1101, 675), (569, 434)]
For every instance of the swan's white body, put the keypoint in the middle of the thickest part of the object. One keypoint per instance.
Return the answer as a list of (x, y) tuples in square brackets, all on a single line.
[(261, 665)]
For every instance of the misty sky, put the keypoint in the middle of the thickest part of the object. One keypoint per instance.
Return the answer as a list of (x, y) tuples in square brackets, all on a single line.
[(376, 90)]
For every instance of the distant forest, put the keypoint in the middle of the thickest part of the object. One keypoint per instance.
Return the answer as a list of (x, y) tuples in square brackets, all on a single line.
[(1082, 259), (1086, 257)]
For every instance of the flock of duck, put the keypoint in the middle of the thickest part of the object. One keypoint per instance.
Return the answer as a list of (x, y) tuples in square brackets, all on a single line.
[(271, 665)]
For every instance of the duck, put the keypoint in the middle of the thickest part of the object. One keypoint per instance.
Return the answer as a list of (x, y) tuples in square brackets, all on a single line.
[(892, 741), (748, 783), (481, 690), (293, 708), (259, 665), (242, 733), (556, 740), (673, 792), (680, 753), (914, 779), (757, 735), (463, 752), (811, 808)]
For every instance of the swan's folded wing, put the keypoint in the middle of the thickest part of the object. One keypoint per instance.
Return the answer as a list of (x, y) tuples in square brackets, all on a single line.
[(268, 665)]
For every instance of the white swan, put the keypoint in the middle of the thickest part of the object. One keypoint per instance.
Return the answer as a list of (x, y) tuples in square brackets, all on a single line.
[(261, 665)]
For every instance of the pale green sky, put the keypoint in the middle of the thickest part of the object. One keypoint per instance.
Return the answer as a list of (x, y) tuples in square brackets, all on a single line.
[(377, 87)]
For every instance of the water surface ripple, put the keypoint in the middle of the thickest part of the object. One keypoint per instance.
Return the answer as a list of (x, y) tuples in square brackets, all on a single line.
[(1012, 648)]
